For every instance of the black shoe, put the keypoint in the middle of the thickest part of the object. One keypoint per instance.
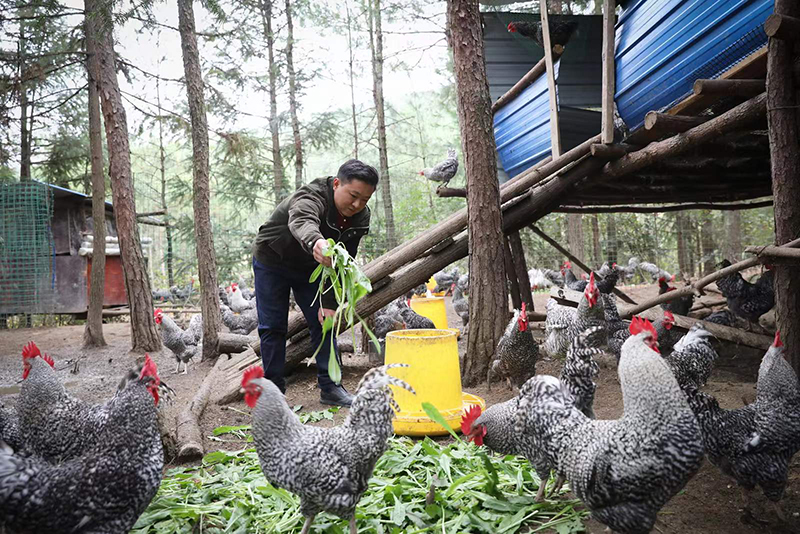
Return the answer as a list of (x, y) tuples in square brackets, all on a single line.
[(335, 395)]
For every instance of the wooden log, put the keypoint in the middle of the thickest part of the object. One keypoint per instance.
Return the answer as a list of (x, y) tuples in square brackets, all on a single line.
[(189, 437), (235, 343), (607, 98), (511, 274), (611, 151), (521, 267), (553, 243), (523, 83), (664, 209), (116, 312), (765, 254), (550, 72), (445, 192), (664, 123), (743, 88), (782, 27)]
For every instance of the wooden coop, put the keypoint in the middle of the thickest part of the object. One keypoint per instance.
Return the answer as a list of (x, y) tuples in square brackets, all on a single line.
[(46, 237)]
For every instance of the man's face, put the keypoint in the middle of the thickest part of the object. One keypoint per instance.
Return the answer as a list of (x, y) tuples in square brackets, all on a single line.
[(351, 197)]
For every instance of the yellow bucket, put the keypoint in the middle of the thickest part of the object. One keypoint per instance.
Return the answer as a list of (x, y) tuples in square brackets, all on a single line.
[(432, 308), (431, 284), (432, 356)]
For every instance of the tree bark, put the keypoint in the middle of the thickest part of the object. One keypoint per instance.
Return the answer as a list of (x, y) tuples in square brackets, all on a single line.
[(733, 230), (144, 336), (612, 246), (279, 186), (680, 237), (511, 273), (25, 145), (782, 120), (298, 142), (488, 307), (575, 235), (521, 268), (707, 232), (204, 239), (93, 333), (352, 84), (376, 42), (598, 255), (162, 169)]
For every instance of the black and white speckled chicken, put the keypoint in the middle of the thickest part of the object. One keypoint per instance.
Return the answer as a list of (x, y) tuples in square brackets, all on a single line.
[(655, 271), (628, 271), (460, 304), (413, 320), (755, 444), (560, 30), (692, 358), (9, 427), (329, 468), (721, 317), (517, 353), (445, 280), (681, 305), (184, 344), (570, 281), (239, 323), (385, 321), (745, 299), (563, 323), (580, 369), (444, 171), (618, 331), (105, 487), (624, 470)]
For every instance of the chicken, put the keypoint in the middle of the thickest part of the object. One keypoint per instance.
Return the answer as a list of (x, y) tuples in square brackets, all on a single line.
[(181, 294), (629, 271), (681, 305), (413, 320), (184, 344), (570, 280), (9, 427), (103, 489), (580, 370), (223, 296), (242, 323), (386, 322), (329, 468), (563, 323), (517, 353), (624, 470), (238, 303), (745, 299), (692, 358), (419, 290), (538, 280), (667, 335), (444, 280), (463, 282), (460, 304), (755, 444), (161, 295), (722, 317), (444, 171), (655, 271), (560, 30), (618, 331), (554, 276)]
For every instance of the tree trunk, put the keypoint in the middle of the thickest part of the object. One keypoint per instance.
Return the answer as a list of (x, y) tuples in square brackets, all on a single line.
[(511, 273), (521, 268), (680, 238), (352, 84), (376, 41), (279, 186), (575, 235), (612, 246), (25, 145), (488, 306), (144, 336), (162, 168), (785, 157), (557, 8), (733, 231), (598, 255), (93, 334), (707, 244), (298, 143), (204, 239)]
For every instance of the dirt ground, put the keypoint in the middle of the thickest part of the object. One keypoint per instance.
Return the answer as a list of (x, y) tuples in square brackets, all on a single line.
[(710, 503)]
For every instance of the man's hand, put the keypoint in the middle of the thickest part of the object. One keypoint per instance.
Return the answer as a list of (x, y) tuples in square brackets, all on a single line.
[(319, 252), (324, 312)]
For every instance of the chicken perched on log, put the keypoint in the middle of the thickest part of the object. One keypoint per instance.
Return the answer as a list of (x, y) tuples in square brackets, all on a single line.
[(755, 444), (444, 171), (692, 359), (239, 323), (746, 299), (563, 323), (105, 487), (329, 468), (517, 353), (184, 344), (624, 470), (681, 305), (560, 30)]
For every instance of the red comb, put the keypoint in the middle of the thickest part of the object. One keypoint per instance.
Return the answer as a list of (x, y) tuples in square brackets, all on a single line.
[(591, 282), (254, 371), (149, 368), (157, 311), (777, 342), (30, 351), (668, 316), (567, 265), (639, 325), (49, 360), (523, 312), (469, 418)]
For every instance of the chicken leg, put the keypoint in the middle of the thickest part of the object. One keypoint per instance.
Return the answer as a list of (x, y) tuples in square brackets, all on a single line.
[(353, 529), (307, 524), (557, 485)]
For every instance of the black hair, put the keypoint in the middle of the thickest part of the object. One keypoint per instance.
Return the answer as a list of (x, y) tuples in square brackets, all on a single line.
[(358, 170)]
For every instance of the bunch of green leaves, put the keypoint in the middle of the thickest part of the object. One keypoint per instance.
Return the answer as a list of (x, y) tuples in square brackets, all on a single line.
[(241, 433), (349, 285)]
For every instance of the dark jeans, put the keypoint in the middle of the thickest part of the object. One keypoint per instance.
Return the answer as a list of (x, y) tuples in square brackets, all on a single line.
[(272, 286)]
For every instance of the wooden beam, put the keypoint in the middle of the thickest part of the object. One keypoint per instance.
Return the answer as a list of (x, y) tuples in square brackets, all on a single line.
[(743, 88), (445, 192), (523, 83), (611, 151), (609, 35), (151, 213), (521, 267), (782, 27), (768, 252), (511, 274), (664, 123), (664, 209), (555, 132), (553, 243)]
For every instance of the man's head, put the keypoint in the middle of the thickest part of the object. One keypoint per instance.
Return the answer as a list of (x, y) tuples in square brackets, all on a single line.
[(353, 186)]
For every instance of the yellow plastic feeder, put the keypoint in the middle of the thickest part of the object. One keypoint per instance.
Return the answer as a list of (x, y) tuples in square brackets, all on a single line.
[(432, 356), (432, 308), (431, 284)]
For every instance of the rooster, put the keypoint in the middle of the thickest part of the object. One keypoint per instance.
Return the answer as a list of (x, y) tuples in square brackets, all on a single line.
[(444, 171), (242, 323), (516, 354), (570, 280), (239, 304), (745, 299), (184, 344), (560, 30), (329, 468), (618, 331), (692, 358), (681, 305), (103, 489), (624, 470), (563, 323)]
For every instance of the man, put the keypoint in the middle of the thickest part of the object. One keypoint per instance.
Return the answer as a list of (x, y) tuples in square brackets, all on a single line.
[(288, 248)]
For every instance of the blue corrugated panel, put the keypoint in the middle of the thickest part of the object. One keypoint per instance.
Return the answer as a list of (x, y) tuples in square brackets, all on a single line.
[(522, 127), (663, 46)]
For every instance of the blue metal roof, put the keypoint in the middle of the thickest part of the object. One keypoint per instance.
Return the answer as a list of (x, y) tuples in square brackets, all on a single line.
[(663, 46)]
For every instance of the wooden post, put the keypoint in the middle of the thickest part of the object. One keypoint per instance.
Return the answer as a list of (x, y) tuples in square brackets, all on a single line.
[(612, 151), (521, 267), (555, 133), (511, 273), (782, 27), (523, 83), (664, 123), (744, 88), (607, 128)]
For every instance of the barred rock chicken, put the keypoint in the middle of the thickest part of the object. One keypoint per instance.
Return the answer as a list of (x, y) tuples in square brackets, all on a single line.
[(554, 276), (107, 486), (624, 470), (681, 305), (746, 299), (383, 323), (580, 370), (667, 335), (517, 353), (655, 271), (329, 468), (444, 280), (413, 320), (563, 323), (722, 317), (444, 171), (238, 303), (560, 30), (241, 323), (755, 444), (419, 290), (9, 427), (618, 331), (460, 304), (570, 280), (223, 296), (184, 344), (692, 358), (463, 282), (629, 271)]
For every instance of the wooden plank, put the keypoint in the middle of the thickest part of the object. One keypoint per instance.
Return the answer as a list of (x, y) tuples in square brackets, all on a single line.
[(664, 123), (555, 132), (742, 88), (607, 128), (530, 77)]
